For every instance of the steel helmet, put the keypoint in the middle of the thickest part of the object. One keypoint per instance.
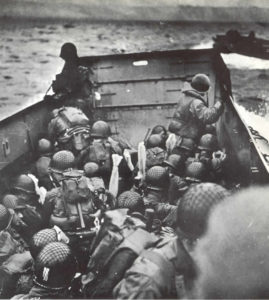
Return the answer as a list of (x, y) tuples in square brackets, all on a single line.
[(157, 178), (4, 217), (208, 142), (44, 146), (100, 129), (233, 256), (195, 206), (196, 171), (55, 266), (174, 126), (10, 201), (68, 51), (175, 161), (62, 161), (155, 140), (131, 200), (41, 239), (200, 82), (91, 169), (158, 129), (187, 144), (25, 184)]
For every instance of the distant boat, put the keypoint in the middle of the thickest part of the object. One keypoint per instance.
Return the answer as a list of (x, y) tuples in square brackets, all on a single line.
[(234, 42)]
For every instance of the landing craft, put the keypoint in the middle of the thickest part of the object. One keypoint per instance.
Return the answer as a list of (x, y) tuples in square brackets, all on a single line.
[(138, 91)]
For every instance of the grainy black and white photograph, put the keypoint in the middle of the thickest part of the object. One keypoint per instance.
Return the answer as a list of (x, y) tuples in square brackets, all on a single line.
[(134, 154)]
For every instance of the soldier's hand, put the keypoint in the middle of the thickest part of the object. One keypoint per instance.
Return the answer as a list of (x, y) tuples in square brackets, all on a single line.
[(219, 155)]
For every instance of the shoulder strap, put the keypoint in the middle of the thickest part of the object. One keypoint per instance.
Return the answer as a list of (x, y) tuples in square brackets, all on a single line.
[(139, 240)]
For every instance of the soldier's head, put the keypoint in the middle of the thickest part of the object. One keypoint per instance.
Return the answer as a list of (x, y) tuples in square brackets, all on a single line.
[(195, 206), (196, 172), (161, 131), (100, 130), (175, 163), (201, 83), (91, 169), (69, 52), (233, 256), (185, 148), (154, 140), (44, 147), (157, 179), (61, 162), (4, 217), (40, 239), (208, 144), (55, 267), (131, 200), (24, 189)]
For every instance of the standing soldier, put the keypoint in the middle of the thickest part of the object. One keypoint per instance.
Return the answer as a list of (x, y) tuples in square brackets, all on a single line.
[(74, 84), (192, 113)]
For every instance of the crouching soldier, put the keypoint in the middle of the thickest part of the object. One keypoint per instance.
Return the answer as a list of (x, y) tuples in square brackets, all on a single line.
[(69, 129), (41, 166), (72, 204), (168, 270), (100, 151), (31, 215), (121, 238), (14, 257), (177, 185), (157, 184), (54, 271)]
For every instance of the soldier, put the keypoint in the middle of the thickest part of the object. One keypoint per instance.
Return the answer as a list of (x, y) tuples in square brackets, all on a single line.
[(177, 185), (31, 215), (121, 238), (100, 151), (196, 172), (213, 159), (162, 132), (157, 182), (62, 161), (131, 200), (232, 256), (103, 199), (194, 210), (54, 270), (168, 270), (193, 113), (69, 129), (14, 258), (74, 84), (159, 272), (18, 269), (155, 154), (184, 147), (41, 167)]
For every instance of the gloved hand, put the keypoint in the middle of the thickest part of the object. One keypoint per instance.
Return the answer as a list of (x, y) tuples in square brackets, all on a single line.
[(221, 155), (218, 158), (219, 105)]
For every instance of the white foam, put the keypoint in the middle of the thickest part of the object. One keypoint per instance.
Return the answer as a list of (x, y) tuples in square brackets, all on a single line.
[(238, 61), (204, 45), (259, 123)]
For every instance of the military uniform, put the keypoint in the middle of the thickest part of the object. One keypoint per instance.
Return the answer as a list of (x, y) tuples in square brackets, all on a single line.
[(162, 272)]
